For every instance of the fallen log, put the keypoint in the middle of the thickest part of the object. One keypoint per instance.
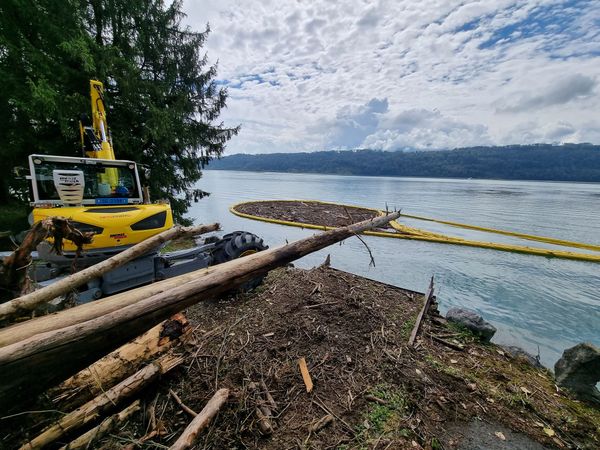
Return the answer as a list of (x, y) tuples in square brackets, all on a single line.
[(87, 439), (31, 366), (452, 345), (190, 434), (30, 301), (107, 400), (119, 364), (20, 331)]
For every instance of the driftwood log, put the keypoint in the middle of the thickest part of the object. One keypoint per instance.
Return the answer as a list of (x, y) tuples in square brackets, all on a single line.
[(190, 434), (13, 270), (110, 399), (82, 313), (31, 366), (30, 301), (87, 439), (119, 364)]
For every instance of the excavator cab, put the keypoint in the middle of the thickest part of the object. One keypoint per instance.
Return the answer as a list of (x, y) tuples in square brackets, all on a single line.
[(99, 196)]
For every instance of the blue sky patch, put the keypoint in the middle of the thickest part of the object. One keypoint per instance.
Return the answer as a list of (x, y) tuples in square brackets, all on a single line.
[(556, 21)]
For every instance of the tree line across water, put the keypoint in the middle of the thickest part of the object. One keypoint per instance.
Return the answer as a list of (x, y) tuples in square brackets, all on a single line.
[(567, 162)]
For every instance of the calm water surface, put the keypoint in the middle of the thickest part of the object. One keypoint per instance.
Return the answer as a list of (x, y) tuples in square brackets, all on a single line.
[(534, 302)]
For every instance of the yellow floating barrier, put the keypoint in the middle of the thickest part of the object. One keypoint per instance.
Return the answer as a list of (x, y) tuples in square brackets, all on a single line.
[(410, 233), (530, 237)]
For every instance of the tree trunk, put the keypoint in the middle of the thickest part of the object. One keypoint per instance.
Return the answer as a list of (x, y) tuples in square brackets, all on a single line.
[(31, 366), (117, 365), (105, 401), (30, 301), (190, 434)]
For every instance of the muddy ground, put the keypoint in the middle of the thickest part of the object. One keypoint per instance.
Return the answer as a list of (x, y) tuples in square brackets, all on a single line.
[(449, 391)]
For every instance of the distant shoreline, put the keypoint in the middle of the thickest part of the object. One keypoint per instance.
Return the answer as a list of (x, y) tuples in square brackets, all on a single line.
[(567, 163), (207, 168)]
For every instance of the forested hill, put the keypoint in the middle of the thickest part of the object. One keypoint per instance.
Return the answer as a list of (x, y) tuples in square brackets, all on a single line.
[(569, 162)]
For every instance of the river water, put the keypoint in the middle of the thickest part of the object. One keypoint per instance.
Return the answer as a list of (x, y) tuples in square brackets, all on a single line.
[(537, 303)]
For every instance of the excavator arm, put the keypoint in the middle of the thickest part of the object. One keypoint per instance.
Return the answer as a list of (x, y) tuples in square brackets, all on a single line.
[(95, 138)]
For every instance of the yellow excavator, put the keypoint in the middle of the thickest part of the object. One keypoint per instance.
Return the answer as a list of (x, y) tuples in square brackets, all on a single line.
[(98, 192), (104, 196)]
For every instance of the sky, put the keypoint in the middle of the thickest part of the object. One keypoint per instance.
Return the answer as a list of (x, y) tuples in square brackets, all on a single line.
[(404, 74)]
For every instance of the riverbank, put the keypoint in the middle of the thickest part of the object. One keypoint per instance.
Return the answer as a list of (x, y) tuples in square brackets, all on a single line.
[(381, 392)]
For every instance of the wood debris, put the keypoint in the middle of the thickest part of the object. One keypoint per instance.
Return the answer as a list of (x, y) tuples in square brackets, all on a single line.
[(305, 374), (201, 421)]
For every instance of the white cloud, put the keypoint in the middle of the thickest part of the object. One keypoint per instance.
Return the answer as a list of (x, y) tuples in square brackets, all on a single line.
[(424, 129), (302, 75), (564, 90), (352, 124)]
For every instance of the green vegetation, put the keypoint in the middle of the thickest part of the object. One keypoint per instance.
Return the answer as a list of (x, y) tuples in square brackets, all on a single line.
[(385, 414), (13, 217), (163, 102), (569, 162), (407, 328)]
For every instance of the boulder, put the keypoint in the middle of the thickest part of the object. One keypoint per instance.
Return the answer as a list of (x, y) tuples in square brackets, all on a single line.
[(579, 370), (472, 321), (518, 352)]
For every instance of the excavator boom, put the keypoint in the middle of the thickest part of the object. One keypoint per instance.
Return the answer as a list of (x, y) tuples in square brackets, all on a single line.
[(95, 138)]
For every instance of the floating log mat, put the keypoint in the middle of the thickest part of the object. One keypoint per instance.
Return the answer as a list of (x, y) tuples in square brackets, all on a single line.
[(308, 212)]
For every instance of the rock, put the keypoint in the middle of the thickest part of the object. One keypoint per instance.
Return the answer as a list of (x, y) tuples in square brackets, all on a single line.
[(518, 352), (579, 370), (472, 321)]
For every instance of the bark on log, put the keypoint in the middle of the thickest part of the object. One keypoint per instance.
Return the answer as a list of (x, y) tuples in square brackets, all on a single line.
[(13, 270), (86, 440), (190, 434), (104, 402), (21, 331), (30, 301), (36, 363), (117, 365)]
